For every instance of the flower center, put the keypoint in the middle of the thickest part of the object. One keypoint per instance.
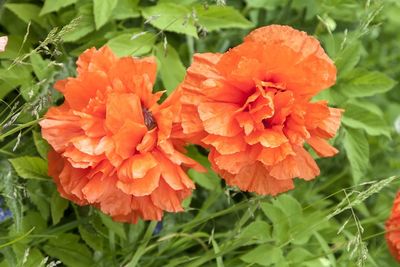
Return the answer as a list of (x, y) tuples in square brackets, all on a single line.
[(149, 120)]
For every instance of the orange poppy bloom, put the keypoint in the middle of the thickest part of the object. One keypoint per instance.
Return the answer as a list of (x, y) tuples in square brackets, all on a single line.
[(111, 140), (392, 228), (251, 106)]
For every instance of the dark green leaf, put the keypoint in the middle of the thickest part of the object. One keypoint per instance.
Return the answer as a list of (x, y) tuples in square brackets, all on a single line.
[(117, 228), (58, 205), (68, 249), (41, 145), (39, 198)]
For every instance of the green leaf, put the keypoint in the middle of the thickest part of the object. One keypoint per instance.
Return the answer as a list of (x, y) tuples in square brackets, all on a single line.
[(208, 180), (57, 205), (91, 237), (298, 255), (34, 259), (266, 4), (16, 76), (68, 249), (170, 17), (117, 228), (29, 91), (124, 45), (41, 67), (357, 152), (291, 207), (12, 193), (55, 5), (126, 9), (257, 231), (41, 145), (280, 222), (265, 255), (86, 24), (39, 198), (27, 13), (221, 17), (102, 10), (30, 167), (348, 58), (358, 116), (172, 70), (363, 83)]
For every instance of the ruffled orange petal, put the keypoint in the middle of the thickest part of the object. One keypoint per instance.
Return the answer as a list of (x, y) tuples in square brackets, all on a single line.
[(141, 186), (217, 119), (322, 147)]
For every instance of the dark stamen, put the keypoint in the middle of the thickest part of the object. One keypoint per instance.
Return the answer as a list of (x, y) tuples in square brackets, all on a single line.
[(149, 120)]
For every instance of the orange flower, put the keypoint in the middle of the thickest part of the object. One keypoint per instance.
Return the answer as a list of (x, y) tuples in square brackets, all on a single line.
[(251, 106), (393, 229), (111, 140)]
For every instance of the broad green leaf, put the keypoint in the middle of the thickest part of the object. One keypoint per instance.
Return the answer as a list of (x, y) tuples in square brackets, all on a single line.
[(33, 259), (58, 205), (55, 5), (348, 58), (208, 180), (360, 117), (257, 231), (29, 90), (27, 13), (16, 76), (91, 237), (362, 83), (117, 228), (126, 9), (221, 17), (39, 198), (171, 17), (291, 207), (41, 67), (172, 70), (86, 24), (357, 151), (30, 167), (265, 255), (132, 44), (298, 255), (41, 145), (266, 4), (280, 222), (102, 10), (181, 2), (68, 249)]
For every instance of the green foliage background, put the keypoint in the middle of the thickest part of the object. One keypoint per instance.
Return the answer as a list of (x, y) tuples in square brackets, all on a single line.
[(335, 220)]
